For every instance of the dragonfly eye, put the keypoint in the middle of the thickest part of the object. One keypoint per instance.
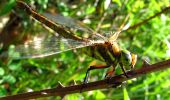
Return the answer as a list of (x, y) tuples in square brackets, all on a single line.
[(126, 58)]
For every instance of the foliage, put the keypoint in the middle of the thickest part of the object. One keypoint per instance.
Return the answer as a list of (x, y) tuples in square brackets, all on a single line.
[(150, 41)]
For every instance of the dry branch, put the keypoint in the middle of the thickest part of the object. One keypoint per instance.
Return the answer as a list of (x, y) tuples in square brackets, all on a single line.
[(60, 90)]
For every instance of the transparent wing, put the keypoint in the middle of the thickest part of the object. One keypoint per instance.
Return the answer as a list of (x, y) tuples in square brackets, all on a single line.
[(68, 22), (41, 47), (50, 44), (114, 35), (79, 26), (60, 24), (75, 26), (63, 25)]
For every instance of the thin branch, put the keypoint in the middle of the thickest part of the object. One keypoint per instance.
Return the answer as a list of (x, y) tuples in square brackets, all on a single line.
[(106, 83), (146, 20)]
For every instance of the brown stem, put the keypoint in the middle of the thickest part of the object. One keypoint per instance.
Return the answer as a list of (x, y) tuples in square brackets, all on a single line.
[(106, 83), (146, 20)]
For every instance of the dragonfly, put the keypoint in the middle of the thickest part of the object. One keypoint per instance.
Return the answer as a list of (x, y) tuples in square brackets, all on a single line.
[(96, 45)]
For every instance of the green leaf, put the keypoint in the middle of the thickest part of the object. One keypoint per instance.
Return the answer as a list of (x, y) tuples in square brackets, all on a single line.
[(100, 95), (2, 91), (126, 96), (15, 66), (7, 7), (72, 97), (90, 9), (117, 1), (9, 78), (2, 72), (43, 3)]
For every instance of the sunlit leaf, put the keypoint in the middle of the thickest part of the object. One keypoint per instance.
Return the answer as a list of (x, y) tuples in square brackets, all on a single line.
[(9, 78), (2, 72), (100, 95), (126, 96), (90, 9)]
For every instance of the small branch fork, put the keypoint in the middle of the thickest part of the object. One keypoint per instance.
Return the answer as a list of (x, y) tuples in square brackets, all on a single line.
[(115, 81)]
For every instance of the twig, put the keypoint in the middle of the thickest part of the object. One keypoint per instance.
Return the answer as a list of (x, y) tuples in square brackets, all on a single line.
[(106, 83), (146, 20)]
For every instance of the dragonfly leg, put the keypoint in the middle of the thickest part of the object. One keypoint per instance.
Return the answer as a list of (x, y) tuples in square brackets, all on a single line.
[(110, 73), (88, 72), (123, 69), (92, 68)]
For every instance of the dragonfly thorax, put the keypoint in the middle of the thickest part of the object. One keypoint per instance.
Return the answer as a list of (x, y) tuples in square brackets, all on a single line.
[(106, 51)]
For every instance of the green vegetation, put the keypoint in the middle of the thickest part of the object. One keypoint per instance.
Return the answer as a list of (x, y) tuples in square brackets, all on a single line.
[(149, 41)]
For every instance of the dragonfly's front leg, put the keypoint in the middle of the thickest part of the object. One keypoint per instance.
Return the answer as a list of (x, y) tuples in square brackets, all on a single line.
[(110, 73), (123, 69), (91, 68)]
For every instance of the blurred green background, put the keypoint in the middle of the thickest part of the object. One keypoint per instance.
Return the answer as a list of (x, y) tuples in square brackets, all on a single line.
[(149, 41)]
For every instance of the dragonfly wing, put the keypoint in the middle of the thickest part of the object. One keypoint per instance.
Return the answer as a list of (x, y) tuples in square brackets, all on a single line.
[(60, 24), (74, 25), (68, 22), (114, 35), (41, 47)]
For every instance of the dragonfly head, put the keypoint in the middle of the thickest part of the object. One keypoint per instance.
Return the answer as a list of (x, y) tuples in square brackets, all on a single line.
[(128, 59)]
